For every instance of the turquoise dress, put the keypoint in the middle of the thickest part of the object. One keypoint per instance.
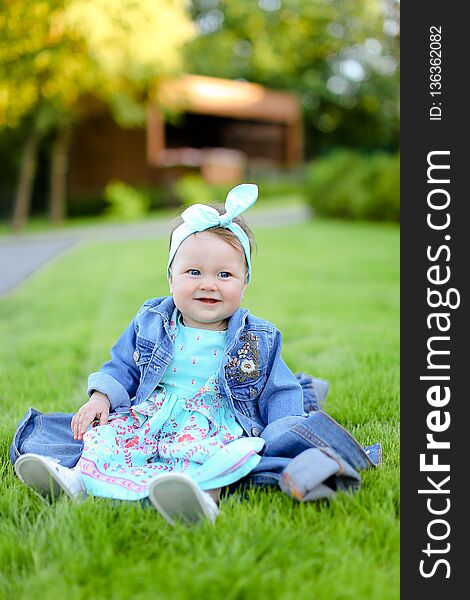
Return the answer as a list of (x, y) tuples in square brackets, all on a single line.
[(186, 425)]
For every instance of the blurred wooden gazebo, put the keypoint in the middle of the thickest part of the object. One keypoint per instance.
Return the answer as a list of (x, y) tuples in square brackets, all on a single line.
[(244, 102), (211, 116)]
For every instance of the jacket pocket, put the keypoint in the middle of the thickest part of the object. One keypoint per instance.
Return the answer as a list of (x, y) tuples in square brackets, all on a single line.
[(248, 390), (245, 399)]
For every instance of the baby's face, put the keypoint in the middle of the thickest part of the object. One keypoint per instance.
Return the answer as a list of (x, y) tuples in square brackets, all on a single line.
[(207, 280)]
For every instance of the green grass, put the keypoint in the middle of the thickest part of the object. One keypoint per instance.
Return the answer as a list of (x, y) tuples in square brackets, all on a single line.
[(332, 289)]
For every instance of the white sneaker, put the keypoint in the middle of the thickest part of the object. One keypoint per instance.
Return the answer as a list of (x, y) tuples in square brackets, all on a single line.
[(48, 477), (177, 497)]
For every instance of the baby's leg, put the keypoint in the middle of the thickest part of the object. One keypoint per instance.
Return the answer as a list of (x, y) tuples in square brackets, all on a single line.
[(214, 494)]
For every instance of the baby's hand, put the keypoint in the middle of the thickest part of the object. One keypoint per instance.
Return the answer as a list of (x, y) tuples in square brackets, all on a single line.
[(96, 407)]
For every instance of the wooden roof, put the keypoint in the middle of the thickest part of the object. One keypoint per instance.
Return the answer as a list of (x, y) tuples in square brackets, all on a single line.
[(230, 98)]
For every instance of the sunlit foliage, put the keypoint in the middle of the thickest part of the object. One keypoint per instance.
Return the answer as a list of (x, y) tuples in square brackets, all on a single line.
[(340, 56), (55, 52)]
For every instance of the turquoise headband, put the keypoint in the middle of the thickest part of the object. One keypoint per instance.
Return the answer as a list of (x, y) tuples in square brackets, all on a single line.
[(200, 217)]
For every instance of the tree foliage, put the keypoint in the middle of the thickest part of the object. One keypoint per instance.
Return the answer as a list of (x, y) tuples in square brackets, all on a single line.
[(55, 52), (340, 56)]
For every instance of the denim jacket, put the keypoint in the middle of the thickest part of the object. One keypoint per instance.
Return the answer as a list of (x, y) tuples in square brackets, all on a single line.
[(255, 380)]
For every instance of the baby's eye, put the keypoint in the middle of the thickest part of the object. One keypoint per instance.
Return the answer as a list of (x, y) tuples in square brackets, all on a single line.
[(194, 272), (224, 274)]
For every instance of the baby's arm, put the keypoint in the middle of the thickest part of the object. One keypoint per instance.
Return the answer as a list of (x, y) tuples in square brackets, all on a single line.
[(97, 407), (119, 378), (110, 387)]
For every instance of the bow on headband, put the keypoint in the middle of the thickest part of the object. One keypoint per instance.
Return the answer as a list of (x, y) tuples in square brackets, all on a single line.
[(200, 217)]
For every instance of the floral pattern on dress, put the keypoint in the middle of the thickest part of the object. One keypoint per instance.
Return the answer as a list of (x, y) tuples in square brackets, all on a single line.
[(181, 430), (122, 457)]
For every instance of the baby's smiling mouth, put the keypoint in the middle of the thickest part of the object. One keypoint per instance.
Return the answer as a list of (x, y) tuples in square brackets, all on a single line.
[(208, 300)]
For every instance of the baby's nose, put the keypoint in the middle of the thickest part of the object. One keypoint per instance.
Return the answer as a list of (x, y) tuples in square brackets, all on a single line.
[(208, 283)]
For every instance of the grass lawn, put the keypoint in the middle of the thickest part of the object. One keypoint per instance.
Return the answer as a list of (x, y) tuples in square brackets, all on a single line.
[(332, 289)]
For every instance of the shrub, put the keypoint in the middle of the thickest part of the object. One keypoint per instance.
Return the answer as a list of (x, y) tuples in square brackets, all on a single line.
[(192, 188), (125, 202), (350, 185)]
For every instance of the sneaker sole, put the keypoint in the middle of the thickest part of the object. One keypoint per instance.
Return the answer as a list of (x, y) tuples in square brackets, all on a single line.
[(36, 474), (177, 497)]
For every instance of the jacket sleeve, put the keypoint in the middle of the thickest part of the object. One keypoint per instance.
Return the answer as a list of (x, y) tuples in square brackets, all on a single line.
[(119, 377), (282, 395)]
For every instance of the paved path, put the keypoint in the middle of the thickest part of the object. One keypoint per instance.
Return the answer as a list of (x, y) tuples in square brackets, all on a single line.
[(23, 254), (21, 258)]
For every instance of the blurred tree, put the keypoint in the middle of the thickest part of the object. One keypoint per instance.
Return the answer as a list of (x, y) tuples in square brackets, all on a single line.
[(57, 54), (340, 56)]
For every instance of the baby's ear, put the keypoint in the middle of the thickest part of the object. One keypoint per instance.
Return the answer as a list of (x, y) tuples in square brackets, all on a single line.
[(170, 282), (245, 284)]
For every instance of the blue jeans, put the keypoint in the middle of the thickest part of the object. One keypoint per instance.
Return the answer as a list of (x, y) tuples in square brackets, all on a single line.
[(47, 434), (311, 457)]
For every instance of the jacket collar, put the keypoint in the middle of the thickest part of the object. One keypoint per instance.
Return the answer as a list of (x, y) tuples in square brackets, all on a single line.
[(236, 323), (165, 308)]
